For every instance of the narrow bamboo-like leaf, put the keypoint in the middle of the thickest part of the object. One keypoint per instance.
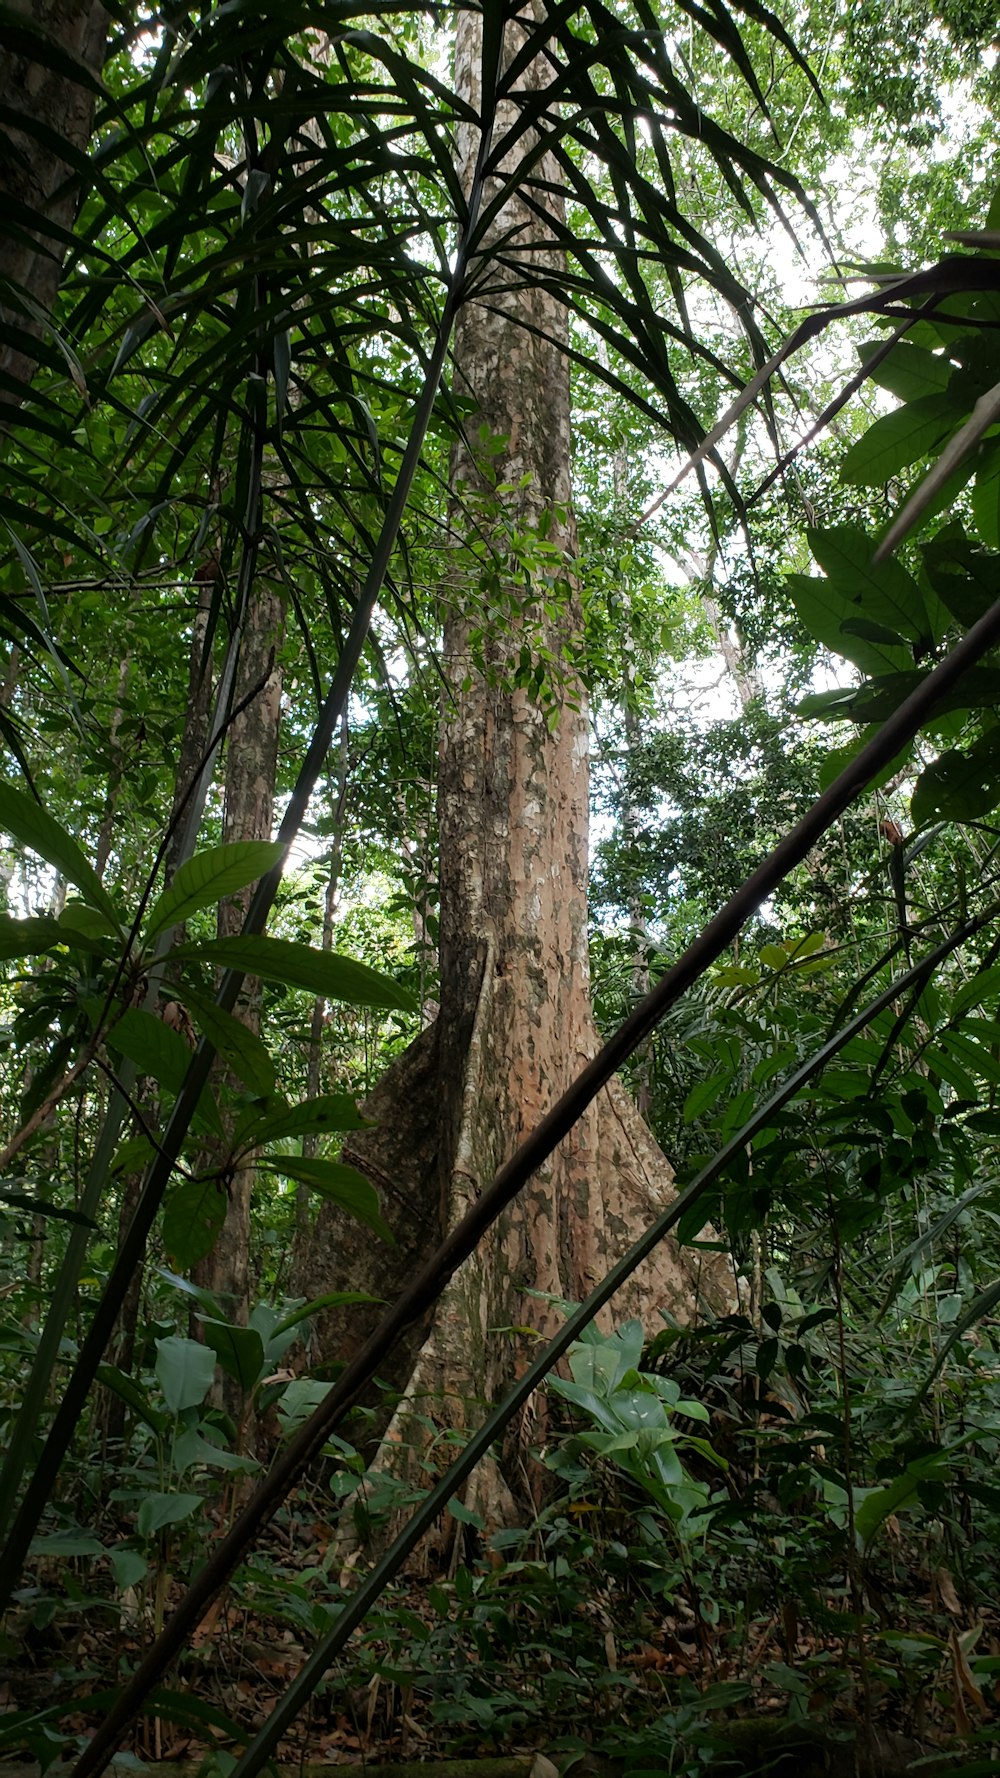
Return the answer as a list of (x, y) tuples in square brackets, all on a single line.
[(192, 1217), (207, 878), (35, 828), (299, 966), (239, 1350), (134, 1397), (42, 1207), (983, 1304), (339, 1184), (334, 1299)]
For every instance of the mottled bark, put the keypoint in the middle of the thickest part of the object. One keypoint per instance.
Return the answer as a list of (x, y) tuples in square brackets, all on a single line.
[(515, 1024), (38, 184)]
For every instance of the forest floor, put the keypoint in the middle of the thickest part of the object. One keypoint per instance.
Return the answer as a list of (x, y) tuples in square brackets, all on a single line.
[(515, 1658)]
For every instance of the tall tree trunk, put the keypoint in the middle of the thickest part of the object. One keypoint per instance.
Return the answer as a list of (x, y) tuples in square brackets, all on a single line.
[(41, 106), (515, 1024)]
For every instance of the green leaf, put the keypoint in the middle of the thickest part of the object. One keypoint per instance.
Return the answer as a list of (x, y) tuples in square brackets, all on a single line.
[(702, 1097), (185, 1370), (332, 1111), (192, 1217), (339, 1184), (959, 786), (965, 579), (160, 1510), (209, 876), (873, 592), (29, 938), (26, 821), (240, 1048), (239, 1350), (42, 1207), (898, 439), (464, 1514), (322, 973), (152, 1046), (128, 1567), (82, 922), (908, 371), (878, 1504), (191, 1448), (159, 1051), (825, 612), (133, 1395), (66, 1543)]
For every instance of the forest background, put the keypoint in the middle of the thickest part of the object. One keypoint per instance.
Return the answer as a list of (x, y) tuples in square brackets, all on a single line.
[(345, 360)]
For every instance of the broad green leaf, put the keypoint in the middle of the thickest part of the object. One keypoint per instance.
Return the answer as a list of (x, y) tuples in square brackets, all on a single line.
[(825, 612), (965, 579), (301, 1398), (29, 938), (207, 878), (192, 1217), (128, 1567), (464, 1514), (159, 1510), (986, 497), (239, 1350), (300, 966), (882, 593), (152, 1046), (240, 1048), (908, 371), (190, 1447), (332, 1111), (83, 922), (184, 1370), (898, 439), (339, 1184), (158, 1050), (35, 828), (66, 1543), (959, 786)]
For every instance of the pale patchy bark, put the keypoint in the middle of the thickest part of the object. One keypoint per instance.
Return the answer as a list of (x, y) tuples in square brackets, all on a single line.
[(515, 1024), (38, 187)]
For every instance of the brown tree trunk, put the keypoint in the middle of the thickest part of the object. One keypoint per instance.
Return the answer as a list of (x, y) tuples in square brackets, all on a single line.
[(38, 189), (515, 1024)]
